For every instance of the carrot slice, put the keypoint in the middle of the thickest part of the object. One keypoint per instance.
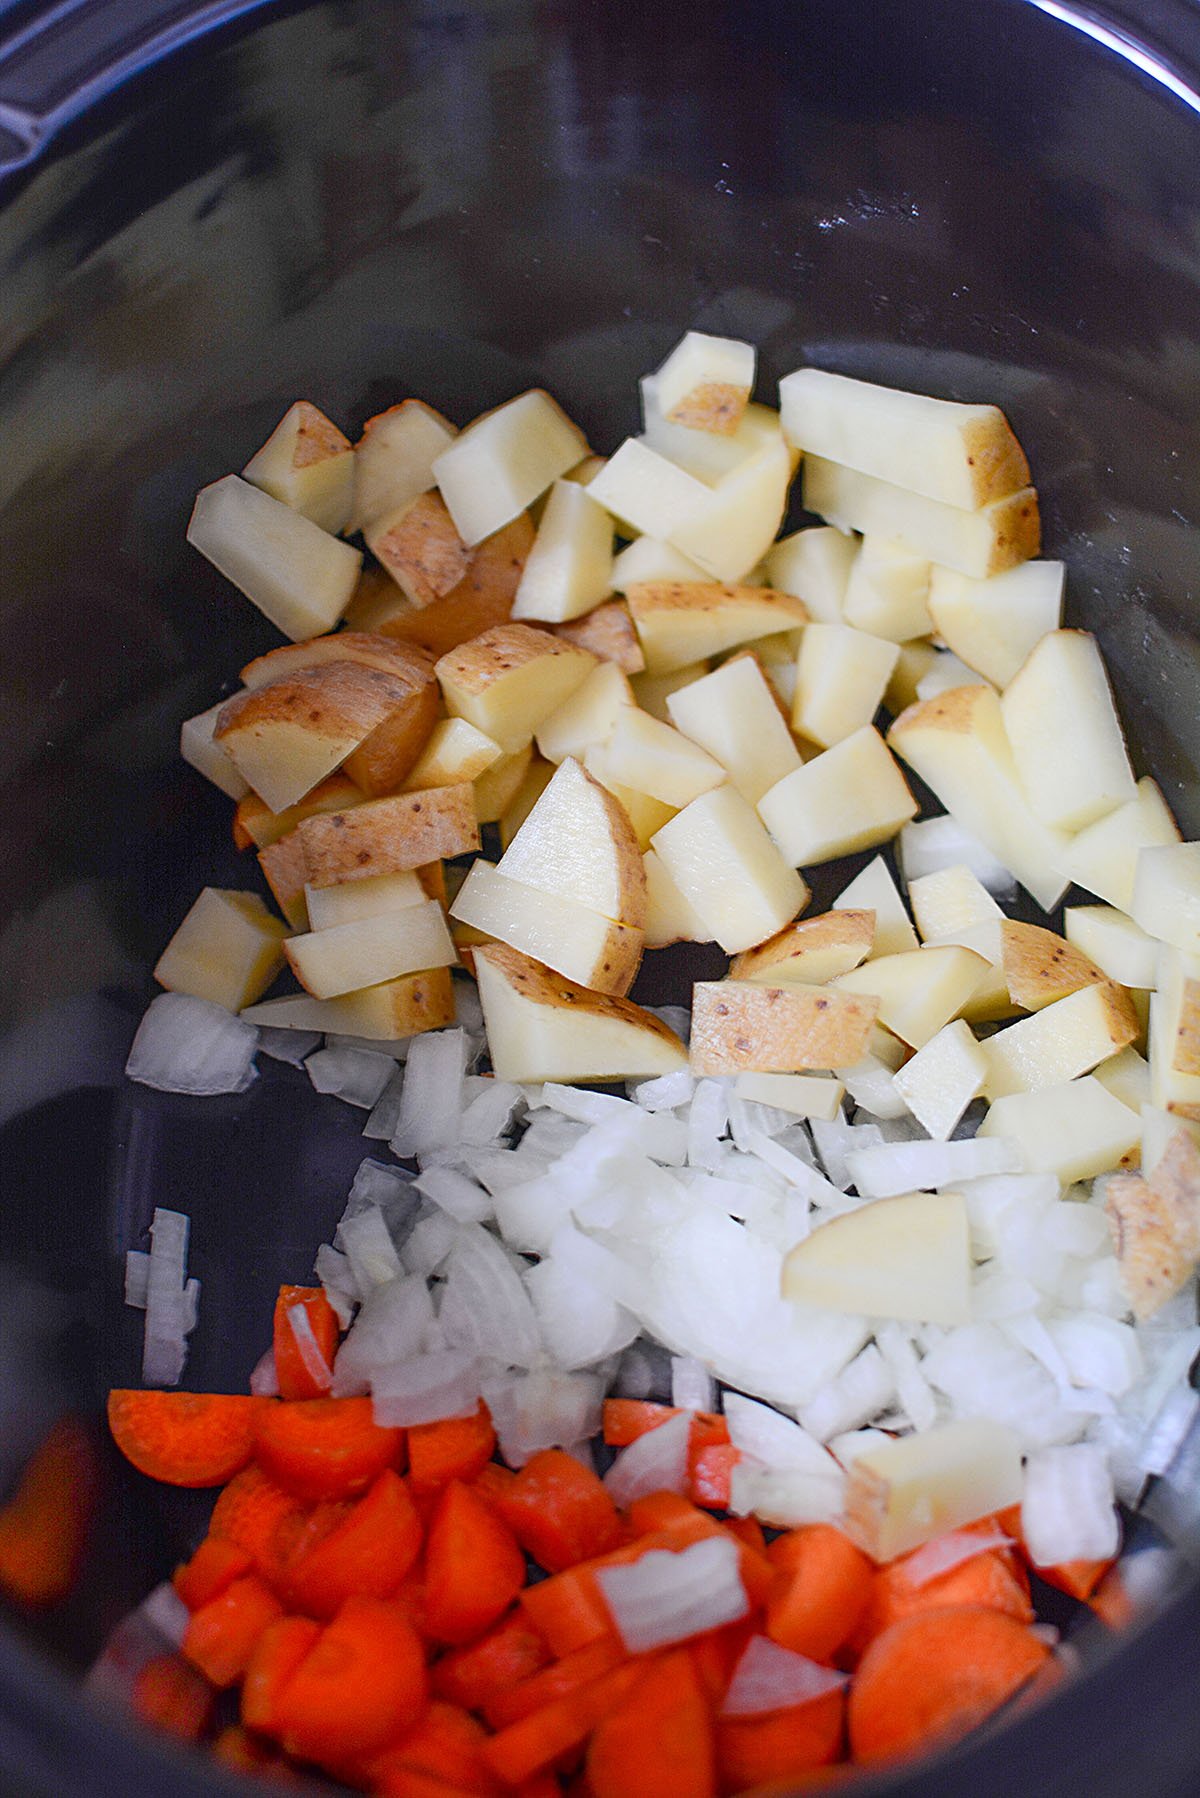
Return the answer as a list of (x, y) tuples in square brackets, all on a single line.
[(236, 1747), (260, 1517), (493, 1482), (710, 1474), (185, 1438), (361, 1685), (560, 1511), (990, 1579), (537, 1742), (412, 1782), (325, 1447), (748, 1530), (221, 1636), (657, 1741), (214, 1566), (558, 1681), (170, 1695), (297, 1379), (365, 1555), (822, 1588), (44, 1525), (753, 1750), (457, 1449), (568, 1611), (932, 1677), (277, 1655), (473, 1567), (511, 1652), (446, 1747)]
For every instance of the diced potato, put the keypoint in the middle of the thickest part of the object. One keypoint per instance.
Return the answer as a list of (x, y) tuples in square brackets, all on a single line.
[(387, 1012), (945, 673), (497, 788), (394, 458), (420, 548), (1178, 997), (1156, 1226), (228, 950), (1063, 1040), (809, 952), (910, 1489), (850, 797), (996, 537), (343, 958), (874, 890), (705, 383), (670, 918), (607, 631), (509, 678), (731, 713), (357, 899), (483, 598), (1065, 734), (455, 752), (255, 822), (958, 745), (541, 1026), (731, 530), (841, 676), (653, 690), (577, 842), (285, 870), (1172, 1088), (887, 593), (299, 576), (586, 716), (1166, 895), (649, 756), (962, 455), (1111, 939), (646, 492), (1103, 859), (534, 781), (722, 860), (908, 1257), (913, 662), (948, 900), (406, 661), (649, 559), (570, 565), (1075, 1131), (387, 836), (804, 1095), (991, 999), (738, 1027), (1040, 968), (1127, 1077), (563, 935), (942, 1078), (706, 454), (199, 749), (680, 622), (646, 814), (814, 566), (505, 460), (993, 625), (308, 464), (920, 991)]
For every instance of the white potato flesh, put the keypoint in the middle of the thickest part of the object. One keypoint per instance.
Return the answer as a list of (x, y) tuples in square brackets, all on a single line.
[(1118, 946), (1126, 1077), (1172, 1088), (540, 1027), (649, 559), (308, 464), (497, 788), (645, 491), (509, 678), (949, 900), (945, 672), (958, 745), (874, 890), (963, 455), (363, 898), (670, 917), (908, 1257), (841, 676), (505, 460), (587, 716), (652, 691), (645, 813), (207, 757), (576, 842), (907, 1490), (920, 991), (850, 797), (981, 543), (1075, 1131), (1066, 737), (589, 949), (706, 454), (731, 713), (730, 530), (722, 860), (569, 568), (228, 949), (681, 622), (814, 564), (1059, 1042), (887, 593), (705, 382), (651, 757), (992, 625), (803, 1095), (810, 952), (456, 751), (942, 1078), (386, 1013), (1103, 858), (991, 998), (394, 458), (1166, 895), (346, 957), (299, 576), (913, 663), (1178, 1002)]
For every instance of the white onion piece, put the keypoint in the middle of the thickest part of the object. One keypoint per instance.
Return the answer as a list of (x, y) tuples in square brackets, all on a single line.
[(667, 1093), (468, 1012), (665, 1597), (872, 1086), (834, 1138), (894, 1168), (913, 1393), (847, 1448), (291, 1046), (379, 1185), (692, 1386), (787, 1497), (353, 1075), (579, 1324), (367, 1245), (945, 1553), (431, 1103), (168, 1312), (542, 1409), (186, 1045), (337, 1281), (315, 1365), (656, 1462), (381, 1125), (707, 1121), (395, 1047), (394, 1325), (860, 1392), (489, 1114), (137, 1278), (1067, 1506), (807, 1181), (1164, 1440), (462, 1199), (773, 1440), (429, 1242), (770, 1678), (166, 1611), (485, 1308), (426, 1389), (1098, 1351), (264, 1381)]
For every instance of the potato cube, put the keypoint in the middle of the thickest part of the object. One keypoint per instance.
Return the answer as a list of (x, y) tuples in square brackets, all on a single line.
[(706, 454), (1065, 734), (649, 559), (993, 625), (505, 460), (906, 1257), (455, 752), (646, 493), (308, 464), (1103, 858), (592, 950), (394, 458), (387, 836), (732, 527), (982, 543), (541, 1026), (386, 1013), (910, 1489), (722, 860), (651, 757), (534, 781), (913, 662), (578, 843), (681, 622), (1075, 1131), (1166, 895), (1110, 939), (652, 691), (942, 1078), (420, 548), (509, 678), (343, 958), (299, 576), (949, 900), (809, 952), (208, 757), (483, 598), (496, 789), (874, 890), (646, 814), (850, 797), (804, 1095), (285, 870), (814, 566), (887, 593), (1063, 1040), (227, 950), (363, 899), (1040, 968), (587, 716), (738, 1027), (1127, 1077), (841, 675), (705, 383), (945, 673), (920, 991), (570, 565), (404, 660), (607, 631), (255, 822), (670, 918), (731, 713)]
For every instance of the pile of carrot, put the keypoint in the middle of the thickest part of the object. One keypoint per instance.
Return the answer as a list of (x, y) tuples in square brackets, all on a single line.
[(403, 1612)]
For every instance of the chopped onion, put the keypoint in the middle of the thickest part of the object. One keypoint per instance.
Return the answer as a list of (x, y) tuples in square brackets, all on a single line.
[(835, 1138), (337, 1280), (366, 1242), (707, 1121), (460, 1198), (168, 1312), (872, 1086), (770, 1678), (430, 1241), (137, 1278), (353, 1075), (485, 1308), (291, 1046), (381, 1125), (912, 1388), (579, 1324), (186, 1045), (431, 1103), (393, 1325), (846, 1449), (489, 1114), (773, 1440), (894, 1168), (468, 1012), (945, 1553), (787, 1497), (425, 1389), (1098, 1351), (665, 1597), (808, 1183), (667, 1093), (1170, 1428), (1067, 1507), (542, 1409), (983, 1374), (165, 1610), (692, 1386), (264, 1381), (305, 1337), (656, 1462), (863, 1389)]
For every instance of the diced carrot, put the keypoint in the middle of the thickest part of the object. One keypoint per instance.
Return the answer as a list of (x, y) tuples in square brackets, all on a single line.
[(236, 1747), (185, 1438), (325, 1447), (507, 1655), (221, 1635), (409, 1596), (568, 1610), (709, 1430), (457, 1449), (365, 1555), (657, 1740), (560, 1511), (1112, 1602), (492, 1482), (717, 1653), (473, 1567), (988, 1579), (361, 1685), (410, 1782), (216, 1564), (260, 1517), (278, 1653), (44, 1525), (625, 1419), (558, 1681), (446, 1746), (748, 1530), (539, 1741), (822, 1588), (170, 1695), (1078, 1578), (710, 1475), (781, 1745), (296, 1378), (545, 1785), (932, 1677)]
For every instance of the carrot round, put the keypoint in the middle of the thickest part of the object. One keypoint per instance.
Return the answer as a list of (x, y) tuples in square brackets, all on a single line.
[(214, 1566), (753, 1750), (325, 1447), (260, 1517), (990, 1579), (473, 1567), (459, 1448), (366, 1555), (277, 1655), (185, 1438), (296, 1378), (445, 1748), (932, 1677), (657, 1741), (170, 1695), (222, 1635), (511, 1652), (570, 1674), (560, 1511), (822, 1587), (361, 1685)]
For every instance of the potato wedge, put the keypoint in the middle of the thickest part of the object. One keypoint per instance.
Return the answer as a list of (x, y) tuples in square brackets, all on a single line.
[(647, 493), (993, 625), (496, 789), (907, 1257), (1166, 895), (228, 949), (405, 661), (942, 1078), (308, 464), (255, 822), (454, 752), (578, 843), (1040, 967), (1066, 738), (285, 870), (979, 543), (887, 594), (1065, 1039), (299, 576), (804, 1095), (569, 569), (587, 716), (874, 890), (386, 1013), (344, 958), (564, 936), (740, 1027), (1103, 859), (650, 757), (357, 899), (850, 797), (1075, 1131), (736, 521), (417, 544), (809, 952), (386, 836), (679, 622), (1156, 1226), (1114, 943), (919, 992), (510, 678), (814, 566), (841, 677), (652, 691), (949, 900), (1178, 999), (646, 815), (705, 383), (394, 457), (536, 778), (200, 751), (649, 559), (732, 714), (670, 917), (504, 460), (541, 1026), (726, 866), (913, 662)]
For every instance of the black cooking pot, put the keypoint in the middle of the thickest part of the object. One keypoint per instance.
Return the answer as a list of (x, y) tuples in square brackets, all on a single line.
[(211, 210)]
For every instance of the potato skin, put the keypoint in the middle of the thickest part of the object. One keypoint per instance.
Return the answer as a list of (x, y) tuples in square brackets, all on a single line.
[(385, 836), (739, 1028)]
